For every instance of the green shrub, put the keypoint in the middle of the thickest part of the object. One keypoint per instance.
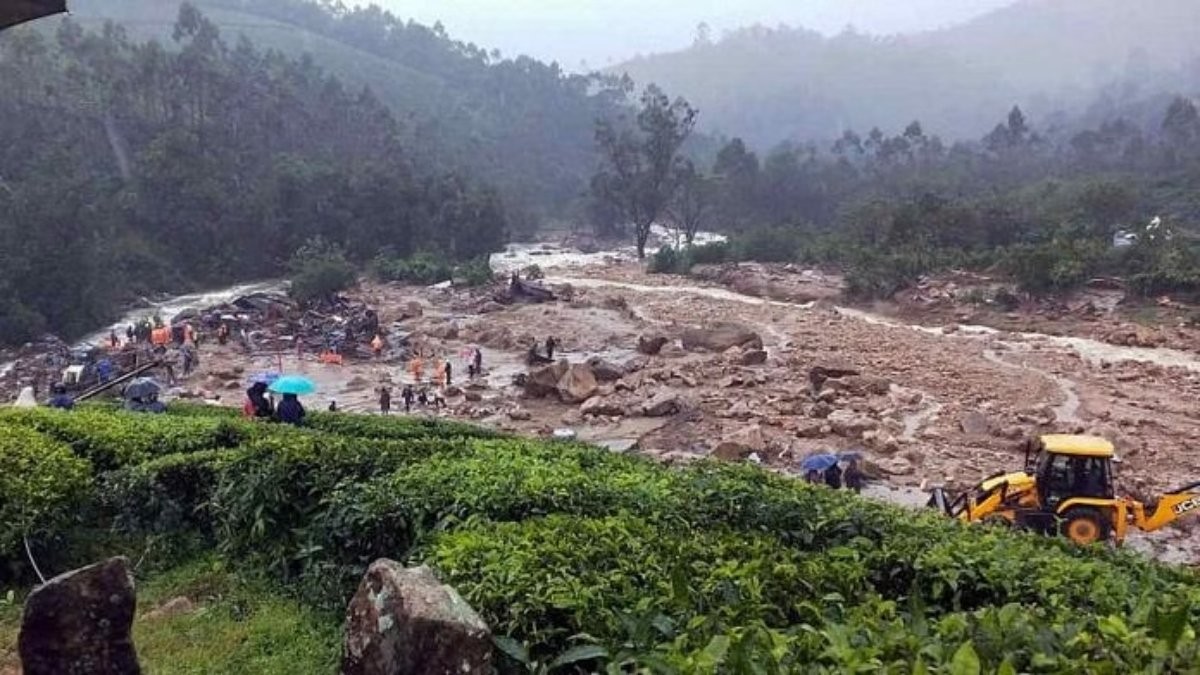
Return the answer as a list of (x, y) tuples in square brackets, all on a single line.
[(319, 269), (713, 253), (397, 428), (477, 272), (769, 244), (420, 268), (40, 482), (167, 494)]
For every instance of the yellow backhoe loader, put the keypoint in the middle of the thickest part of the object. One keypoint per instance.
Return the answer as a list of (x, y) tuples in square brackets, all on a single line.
[(1067, 488)]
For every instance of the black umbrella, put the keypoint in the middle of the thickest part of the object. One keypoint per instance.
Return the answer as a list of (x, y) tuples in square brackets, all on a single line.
[(13, 12)]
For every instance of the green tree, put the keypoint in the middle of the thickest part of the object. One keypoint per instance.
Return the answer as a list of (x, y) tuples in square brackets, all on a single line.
[(642, 165), (319, 270)]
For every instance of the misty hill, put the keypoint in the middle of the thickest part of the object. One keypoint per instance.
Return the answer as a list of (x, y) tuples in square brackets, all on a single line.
[(1050, 56), (524, 125)]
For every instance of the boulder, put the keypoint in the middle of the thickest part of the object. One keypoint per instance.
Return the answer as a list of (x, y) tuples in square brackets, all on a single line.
[(753, 357), (662, 405), (810, 430), (79, 622), (406, 622), (520, 415), (577, 385), (411, 310), (849, 424), (719, 337), (604, 370), (740, 444), (543, 381), (602, 407), (975, 423), (819, 373), (821, 410), (651, 345), (859, 385), (472, 396)]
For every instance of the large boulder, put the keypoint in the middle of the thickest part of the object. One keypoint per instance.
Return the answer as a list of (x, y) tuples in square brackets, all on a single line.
[(820, 372), (79, 623), (740, 444), (849, 424), (604, 370), (720, 337), (662, 405), (651, 345), (601, 406), (975, 423), (577, 385), (543, 381), (406, 622), (752, 357), (859, 385)]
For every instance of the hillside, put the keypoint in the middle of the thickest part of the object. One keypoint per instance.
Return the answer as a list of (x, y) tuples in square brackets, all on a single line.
[(569, 552), (1049, 56), (525, 125)]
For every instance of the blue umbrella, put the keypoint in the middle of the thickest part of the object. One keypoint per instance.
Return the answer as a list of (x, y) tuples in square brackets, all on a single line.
[(293, 384), (818, 462), (141, 388), (265, 377)]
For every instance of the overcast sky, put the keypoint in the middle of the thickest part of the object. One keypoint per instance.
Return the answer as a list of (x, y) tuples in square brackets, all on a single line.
[(606, 31)]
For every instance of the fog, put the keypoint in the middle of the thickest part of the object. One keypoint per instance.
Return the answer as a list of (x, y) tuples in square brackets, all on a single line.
[(602, 32)]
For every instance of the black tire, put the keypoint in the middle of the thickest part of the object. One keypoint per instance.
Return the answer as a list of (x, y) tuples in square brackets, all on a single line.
[(1086, 525)]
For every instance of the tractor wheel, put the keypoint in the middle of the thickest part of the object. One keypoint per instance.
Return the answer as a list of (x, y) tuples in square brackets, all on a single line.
[(1084, 525)]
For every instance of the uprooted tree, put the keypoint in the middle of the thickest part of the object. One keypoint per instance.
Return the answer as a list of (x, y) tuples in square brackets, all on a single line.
[(641, 163)]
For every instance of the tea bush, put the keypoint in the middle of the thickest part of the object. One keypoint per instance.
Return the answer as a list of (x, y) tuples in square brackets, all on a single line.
[(40, 482)]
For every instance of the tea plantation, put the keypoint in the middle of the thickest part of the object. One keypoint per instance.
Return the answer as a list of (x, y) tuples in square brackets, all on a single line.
[(581, 560)]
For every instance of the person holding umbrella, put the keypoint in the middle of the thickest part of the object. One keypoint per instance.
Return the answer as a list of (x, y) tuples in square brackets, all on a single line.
[(290, 410)]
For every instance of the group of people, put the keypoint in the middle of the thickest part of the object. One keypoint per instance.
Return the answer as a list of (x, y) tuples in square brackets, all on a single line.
[(851, 478), (260, 405), (410, 396), (442, 371)]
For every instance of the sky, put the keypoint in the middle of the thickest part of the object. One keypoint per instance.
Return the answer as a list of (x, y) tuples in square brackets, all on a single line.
[(603, 32)]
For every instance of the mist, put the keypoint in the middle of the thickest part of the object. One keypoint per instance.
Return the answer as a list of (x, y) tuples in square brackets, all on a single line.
[(602, 33)]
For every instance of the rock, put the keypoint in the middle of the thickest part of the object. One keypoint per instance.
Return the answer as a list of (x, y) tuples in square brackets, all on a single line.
[(740, 444), (604, 370), (651, 345), (452, 391), (79, 622), (473, 396), (739, 410), (811, 430), (896, 466), (818, 374), (720, 337), (520, 415), (602, 407), (821, 410), (662, 405), (860, 385), (412, 310), (543, 381), (405, 622), (444, 331), (672, 351), (753, 357), (577, 385), (171, 608), (975, 423), (848, 424)]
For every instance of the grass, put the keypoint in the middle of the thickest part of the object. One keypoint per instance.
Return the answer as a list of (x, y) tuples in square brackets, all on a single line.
[(239, 625)]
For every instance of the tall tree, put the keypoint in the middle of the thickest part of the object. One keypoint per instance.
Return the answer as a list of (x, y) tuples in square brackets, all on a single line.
[(642, 163)]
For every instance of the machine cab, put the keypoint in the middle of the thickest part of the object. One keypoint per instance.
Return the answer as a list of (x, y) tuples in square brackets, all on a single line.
[(1067, 467)]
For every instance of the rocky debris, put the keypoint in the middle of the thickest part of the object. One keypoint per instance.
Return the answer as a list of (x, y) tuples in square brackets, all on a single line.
[(818, 374), (520, 415), (598, 406), (896, 466), (79, 622), (406, 622), (411, 310), (753, 357), (821, 410), (651, 345), (720, 337), (1131, 335), (520, 291), (975, 423), (543, 382), (740, 444), (604, 370), (664, 404), (813, 429), (859, 385), (577, 384), (473, 396), (849, 424)]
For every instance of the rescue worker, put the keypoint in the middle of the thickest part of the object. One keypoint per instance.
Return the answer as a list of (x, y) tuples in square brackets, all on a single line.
[(551, 344), (408, 396), (61, 399), (377, 346), (385, 400)]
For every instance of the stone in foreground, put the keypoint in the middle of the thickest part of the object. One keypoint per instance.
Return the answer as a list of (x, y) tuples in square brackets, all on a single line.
[(406, 622), (79, 623)]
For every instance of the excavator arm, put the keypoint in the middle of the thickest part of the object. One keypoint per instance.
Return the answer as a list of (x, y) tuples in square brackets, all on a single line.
[(1170, 507)]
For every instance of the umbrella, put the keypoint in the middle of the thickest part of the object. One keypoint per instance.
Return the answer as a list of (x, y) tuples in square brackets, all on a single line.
[(293, 384), (142, 387), (265, 377), (818, 462), (13, 12)]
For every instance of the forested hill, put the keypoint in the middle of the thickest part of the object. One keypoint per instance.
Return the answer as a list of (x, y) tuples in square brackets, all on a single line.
[(523, 125), (1052, 57), (129, 167)]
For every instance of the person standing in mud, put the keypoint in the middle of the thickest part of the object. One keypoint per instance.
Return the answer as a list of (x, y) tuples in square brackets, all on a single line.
[(408, 396), (385, 400), (447, 369), (551, 345), (478, 362), (853, 476)]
